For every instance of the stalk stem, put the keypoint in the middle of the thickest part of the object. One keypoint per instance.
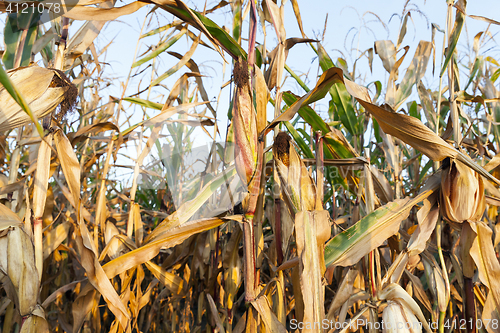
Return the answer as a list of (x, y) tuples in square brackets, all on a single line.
[(442, 312)]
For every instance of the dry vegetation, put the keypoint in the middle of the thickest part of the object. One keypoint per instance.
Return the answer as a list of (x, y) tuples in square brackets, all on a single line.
[(333, 224)]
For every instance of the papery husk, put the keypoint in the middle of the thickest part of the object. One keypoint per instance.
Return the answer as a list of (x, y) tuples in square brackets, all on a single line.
[(245, 124), (462, 193), (298, 184), (42, 88), (395, 293), (398, 318)]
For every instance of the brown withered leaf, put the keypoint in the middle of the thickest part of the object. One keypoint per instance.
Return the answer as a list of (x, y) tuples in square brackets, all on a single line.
[(272, 71), (86, 247), (371, 231), (484, 256), (261, 304), (411, 130), (169, 238), (427, 218)]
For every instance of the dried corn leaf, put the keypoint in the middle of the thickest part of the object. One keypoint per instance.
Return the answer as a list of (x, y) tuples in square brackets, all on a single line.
[(189, 208), (169, 280), (345, 290), (42, 176), (412, 131), (387, 53), (191, 64), (484, 256), (278, 57), (414, 73), (420, 291), (87, 13), (215, 314), (490, 314), (88, 253), (54, 238), (169, 238), (349, 246), (261, 304)]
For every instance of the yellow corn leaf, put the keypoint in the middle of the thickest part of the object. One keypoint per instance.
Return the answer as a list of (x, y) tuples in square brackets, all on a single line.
[(427, 218), (167, 239), (88, 253), (484, 256), (261, 304), (8, 218), (54, 238), (169, 280)]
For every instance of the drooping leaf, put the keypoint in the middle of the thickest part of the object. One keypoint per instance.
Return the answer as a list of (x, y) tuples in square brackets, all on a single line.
[(371, 231)]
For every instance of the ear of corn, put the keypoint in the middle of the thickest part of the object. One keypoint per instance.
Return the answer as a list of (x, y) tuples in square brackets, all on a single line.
[(462, 193), (42, 88)]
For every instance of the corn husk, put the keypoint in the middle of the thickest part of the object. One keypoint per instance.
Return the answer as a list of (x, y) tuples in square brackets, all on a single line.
[(397, 318), (245, 125), (42, 88), (462, 193), (394, 293)]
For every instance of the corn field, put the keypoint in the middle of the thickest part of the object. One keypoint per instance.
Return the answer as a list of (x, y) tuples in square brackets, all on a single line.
[(379, 215)]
